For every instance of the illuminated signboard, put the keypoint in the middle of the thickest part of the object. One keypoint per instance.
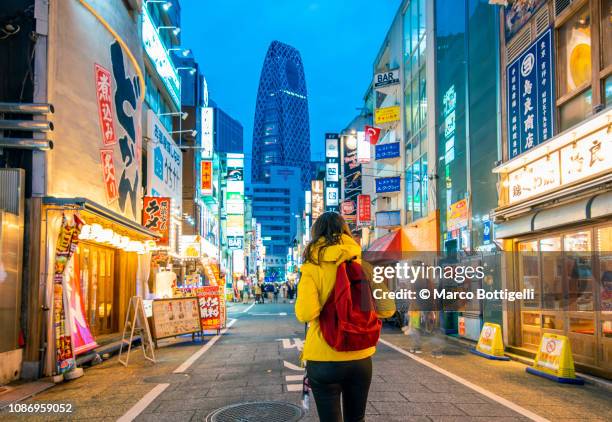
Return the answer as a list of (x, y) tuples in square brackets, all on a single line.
[(579, 160), (207, 133), (317, 199), (159, 56)]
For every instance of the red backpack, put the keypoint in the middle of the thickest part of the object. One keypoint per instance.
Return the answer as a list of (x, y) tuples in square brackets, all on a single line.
[(348, 319)]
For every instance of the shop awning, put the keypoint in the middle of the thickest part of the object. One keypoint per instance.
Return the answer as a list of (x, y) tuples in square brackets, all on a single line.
[(514, 227), (99, 211), (596, 206), (391, 242), (600, 205)]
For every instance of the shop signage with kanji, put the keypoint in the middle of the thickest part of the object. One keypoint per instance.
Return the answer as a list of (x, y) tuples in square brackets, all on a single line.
[(576, 161), (164, 163), (206, 179), (156, 217), (530, 96), (387, 184), (104, 93), (364, 210), (212, 307), (317, 198), (109, 175)]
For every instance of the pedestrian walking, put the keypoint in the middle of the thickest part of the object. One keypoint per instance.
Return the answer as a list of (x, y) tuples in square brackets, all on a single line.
[(275, 292), (258, 293), (335, 377), (283, 292)]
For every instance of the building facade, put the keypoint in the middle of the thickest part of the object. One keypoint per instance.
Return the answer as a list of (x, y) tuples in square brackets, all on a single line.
[(554, 214), (277, 208), (281, 129)]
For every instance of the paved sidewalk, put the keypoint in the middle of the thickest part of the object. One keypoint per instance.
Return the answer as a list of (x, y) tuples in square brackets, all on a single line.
[(551, 400), (257, 360)]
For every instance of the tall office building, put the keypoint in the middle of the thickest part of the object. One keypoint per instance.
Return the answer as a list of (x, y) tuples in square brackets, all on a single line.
[(281, 131)]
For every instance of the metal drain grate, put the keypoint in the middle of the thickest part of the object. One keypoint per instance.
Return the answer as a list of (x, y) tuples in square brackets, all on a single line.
[(262, 411)]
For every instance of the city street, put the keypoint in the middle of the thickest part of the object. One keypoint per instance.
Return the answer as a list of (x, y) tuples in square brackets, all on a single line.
[(257, 360)]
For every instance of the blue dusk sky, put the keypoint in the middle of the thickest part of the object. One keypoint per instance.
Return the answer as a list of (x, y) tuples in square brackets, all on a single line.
[(338, 41)]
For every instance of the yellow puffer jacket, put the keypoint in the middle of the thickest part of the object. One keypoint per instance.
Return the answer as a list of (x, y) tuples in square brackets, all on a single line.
[(315, 286)]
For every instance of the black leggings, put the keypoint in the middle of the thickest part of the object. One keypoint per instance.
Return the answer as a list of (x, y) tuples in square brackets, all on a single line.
[(330, 380)]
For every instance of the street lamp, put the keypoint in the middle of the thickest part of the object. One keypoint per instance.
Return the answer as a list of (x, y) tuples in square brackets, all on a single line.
[(183, 114), (166, 4), (175, 29), (192, 70), (184, 51)]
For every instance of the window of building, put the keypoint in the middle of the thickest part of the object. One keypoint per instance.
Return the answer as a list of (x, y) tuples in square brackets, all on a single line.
[(606, 33), (608, 91), (582, 72)]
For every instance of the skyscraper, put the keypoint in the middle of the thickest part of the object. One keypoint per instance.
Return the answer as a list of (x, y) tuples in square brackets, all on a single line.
[(281, 130)]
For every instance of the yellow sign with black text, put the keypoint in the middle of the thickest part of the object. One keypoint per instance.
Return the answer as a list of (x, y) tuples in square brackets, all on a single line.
[(386, 114)]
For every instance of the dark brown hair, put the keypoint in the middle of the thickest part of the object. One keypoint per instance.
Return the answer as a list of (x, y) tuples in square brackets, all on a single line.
[(330, 227)]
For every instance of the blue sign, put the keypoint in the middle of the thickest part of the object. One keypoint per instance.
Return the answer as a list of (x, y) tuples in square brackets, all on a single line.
[(530, 96), (391, 150), (387, 184), (486, 232)]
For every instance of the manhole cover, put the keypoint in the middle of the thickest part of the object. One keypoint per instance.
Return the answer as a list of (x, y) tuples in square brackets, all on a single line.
[(262, 411)]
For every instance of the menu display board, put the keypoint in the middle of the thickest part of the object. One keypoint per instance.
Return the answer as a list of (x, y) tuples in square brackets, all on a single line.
[(176, 316)]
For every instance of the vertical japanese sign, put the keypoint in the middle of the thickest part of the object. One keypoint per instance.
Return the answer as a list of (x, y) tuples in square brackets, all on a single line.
[(352, 178), (164, 164), (109, 175), (156, 217), (104, 92), (332, 164), (364, 210), (64, 249), (206, 179), (317, 199), (530, 96)]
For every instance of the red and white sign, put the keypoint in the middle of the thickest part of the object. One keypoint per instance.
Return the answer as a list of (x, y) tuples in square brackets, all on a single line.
[(156, 217), (348, 207), (372, 134), (110, 178), (104, 93), (206, 179), (212, 307), (364, 210)]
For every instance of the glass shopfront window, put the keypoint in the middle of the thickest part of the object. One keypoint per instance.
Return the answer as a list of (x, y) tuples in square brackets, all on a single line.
[(574, 54), (415, 100), (606, 33), (571, 274)]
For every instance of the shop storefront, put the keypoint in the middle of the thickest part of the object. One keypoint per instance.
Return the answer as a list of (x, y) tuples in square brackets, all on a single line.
[(91, 275), (555, 222)]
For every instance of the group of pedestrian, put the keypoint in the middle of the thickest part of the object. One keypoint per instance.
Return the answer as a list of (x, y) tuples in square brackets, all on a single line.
[(265, 292)]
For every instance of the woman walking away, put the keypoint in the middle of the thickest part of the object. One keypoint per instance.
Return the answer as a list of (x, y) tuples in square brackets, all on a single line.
[(333, 375)]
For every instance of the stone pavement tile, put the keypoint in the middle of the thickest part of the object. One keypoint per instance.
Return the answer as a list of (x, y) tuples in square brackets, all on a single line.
[(386, 396), (416, 409), (426, 397), (441, 387), (167, 417), (193, 393), (205, 403), (259, 380), (231, 383), (436, 418), (486, 409), (394, 418), (400, 387)]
